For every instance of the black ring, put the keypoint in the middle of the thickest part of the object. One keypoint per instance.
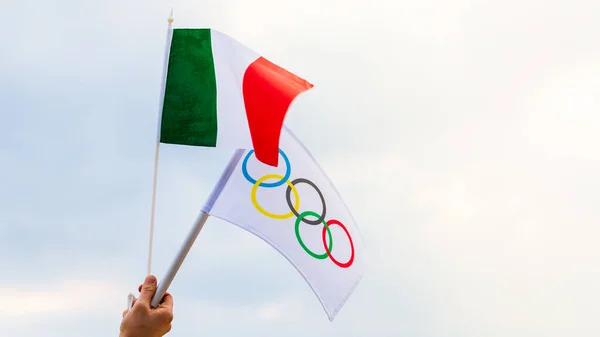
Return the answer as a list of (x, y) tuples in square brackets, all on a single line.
[(288, 198)]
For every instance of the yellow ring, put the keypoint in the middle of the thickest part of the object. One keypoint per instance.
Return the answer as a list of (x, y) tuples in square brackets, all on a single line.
[(262, 210)]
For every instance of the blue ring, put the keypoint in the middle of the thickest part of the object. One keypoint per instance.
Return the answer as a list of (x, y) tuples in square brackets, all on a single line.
[(288, 171)]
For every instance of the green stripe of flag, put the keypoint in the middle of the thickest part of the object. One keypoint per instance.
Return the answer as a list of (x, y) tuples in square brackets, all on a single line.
[(189, 115)]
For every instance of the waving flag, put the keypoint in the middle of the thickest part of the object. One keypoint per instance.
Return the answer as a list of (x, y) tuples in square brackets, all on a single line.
[(295, 208), (220, 93)]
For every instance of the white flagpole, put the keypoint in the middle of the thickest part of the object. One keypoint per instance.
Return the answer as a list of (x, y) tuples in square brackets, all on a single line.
[(196, 228), (156, 153), (130, 297)]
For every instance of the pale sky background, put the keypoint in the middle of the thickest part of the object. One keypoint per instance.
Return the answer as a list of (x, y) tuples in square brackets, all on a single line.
[(462, 134)]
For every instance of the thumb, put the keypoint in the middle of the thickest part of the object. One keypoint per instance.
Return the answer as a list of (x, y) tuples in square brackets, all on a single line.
[(148, 290)]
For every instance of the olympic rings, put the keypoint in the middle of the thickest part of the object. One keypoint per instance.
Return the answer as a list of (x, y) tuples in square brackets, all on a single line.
[(325, 228), (295, 207), (262, 210), (328, 250), (289, 201), (283, 180)]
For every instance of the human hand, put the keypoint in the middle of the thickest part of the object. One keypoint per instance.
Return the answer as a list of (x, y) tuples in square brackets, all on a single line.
[(143, 321)]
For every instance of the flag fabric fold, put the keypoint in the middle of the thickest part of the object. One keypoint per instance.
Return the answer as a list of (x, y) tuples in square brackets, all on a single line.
[(296, 209), (220, 93)]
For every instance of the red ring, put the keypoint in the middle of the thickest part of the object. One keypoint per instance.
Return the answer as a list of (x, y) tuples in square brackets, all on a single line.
[(341, 265)]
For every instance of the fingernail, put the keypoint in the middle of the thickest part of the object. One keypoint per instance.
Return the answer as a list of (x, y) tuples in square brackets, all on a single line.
[(150, 279)]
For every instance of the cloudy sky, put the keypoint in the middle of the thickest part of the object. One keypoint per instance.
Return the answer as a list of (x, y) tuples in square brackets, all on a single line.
[(462, 135)]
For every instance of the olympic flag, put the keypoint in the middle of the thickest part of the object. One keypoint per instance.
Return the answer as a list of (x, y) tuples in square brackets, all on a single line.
[(295, 208)]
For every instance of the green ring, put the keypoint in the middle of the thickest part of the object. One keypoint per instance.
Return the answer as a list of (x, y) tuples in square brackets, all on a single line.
[(298, 220)]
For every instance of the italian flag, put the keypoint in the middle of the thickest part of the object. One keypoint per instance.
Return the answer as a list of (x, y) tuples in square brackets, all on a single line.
[(220, 93)]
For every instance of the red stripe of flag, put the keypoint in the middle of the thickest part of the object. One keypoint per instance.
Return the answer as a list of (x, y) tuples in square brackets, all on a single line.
[(268, 92)]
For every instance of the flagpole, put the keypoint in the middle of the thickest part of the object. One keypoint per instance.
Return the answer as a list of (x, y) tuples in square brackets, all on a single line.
[(157, 149), (196, 228)]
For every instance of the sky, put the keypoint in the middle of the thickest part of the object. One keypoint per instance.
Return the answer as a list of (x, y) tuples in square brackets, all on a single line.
[(461, 134)]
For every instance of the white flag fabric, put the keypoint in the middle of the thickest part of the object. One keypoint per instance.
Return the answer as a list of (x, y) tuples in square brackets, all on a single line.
[(296, 209)]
